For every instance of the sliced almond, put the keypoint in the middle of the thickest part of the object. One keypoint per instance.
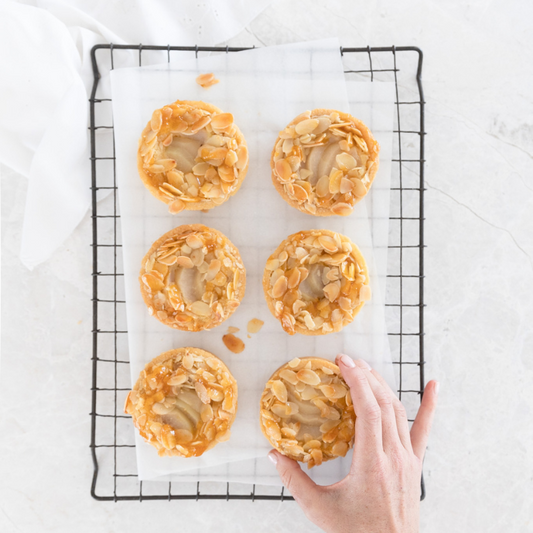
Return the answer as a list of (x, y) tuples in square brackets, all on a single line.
[(194, 242), (222, 121), (280, 287), (242, 155), (332, 291), (156, 121), (279, 390), (308, 376), (255, 325), (346, 161), (306, 126), (233, 343), (200, 308), (359, 188), (342, 209), (184, 261), (283, 169), (365, 293)]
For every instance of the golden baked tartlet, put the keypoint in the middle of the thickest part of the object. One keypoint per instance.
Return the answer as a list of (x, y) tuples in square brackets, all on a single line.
[(192, 278), (316, 282), (184, 402), (192, 156), (324, 162), (307, 412)]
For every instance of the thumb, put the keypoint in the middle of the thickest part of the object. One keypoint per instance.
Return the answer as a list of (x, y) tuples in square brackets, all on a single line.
[(296, 481)]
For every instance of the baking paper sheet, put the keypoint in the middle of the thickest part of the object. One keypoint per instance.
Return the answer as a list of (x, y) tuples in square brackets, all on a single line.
[(264, 89)]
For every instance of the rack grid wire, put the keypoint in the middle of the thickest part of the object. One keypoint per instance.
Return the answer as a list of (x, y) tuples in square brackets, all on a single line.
[(112, 447)]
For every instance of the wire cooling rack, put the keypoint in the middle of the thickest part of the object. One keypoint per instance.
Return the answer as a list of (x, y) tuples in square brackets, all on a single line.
[(112, 446)]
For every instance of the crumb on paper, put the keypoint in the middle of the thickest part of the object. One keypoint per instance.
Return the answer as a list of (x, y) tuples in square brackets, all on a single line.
[(249, 336), (206, 80), (233, 344), (255, 325), (232, 329)]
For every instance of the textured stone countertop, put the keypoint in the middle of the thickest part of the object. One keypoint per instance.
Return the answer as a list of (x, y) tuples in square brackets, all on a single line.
[(479, 280)]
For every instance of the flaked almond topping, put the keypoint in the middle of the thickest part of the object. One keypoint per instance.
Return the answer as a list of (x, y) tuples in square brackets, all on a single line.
[(173, 403), (324, 163), (194, 279), (313, 422), (200, 153), (314, 282)]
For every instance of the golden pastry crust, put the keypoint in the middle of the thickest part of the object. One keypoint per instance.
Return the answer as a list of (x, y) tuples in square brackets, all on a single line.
[(192, 278), (316, 282), (192, 156), (324, 162), (184, 402), (307, 412)]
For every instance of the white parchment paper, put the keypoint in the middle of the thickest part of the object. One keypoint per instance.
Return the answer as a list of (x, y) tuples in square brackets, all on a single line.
[(264, 89)]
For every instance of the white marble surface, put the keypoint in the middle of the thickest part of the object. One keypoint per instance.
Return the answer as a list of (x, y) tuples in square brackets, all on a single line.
[(479, 268)]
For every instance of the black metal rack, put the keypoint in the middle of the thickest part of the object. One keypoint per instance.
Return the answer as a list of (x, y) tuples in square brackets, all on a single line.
[(112, 447)]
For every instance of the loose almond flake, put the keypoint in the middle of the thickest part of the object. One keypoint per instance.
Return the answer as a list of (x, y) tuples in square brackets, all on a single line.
[(233, 344), (255, 325), (206, 80)]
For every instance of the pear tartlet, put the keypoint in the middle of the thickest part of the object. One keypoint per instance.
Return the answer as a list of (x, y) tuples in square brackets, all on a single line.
[(192, 156), (307, 412), (184, 402), (192, 278), (324, 162), (316, 282)]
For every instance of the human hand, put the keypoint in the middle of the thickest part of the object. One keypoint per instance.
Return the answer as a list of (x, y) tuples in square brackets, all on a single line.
[(381, 494)]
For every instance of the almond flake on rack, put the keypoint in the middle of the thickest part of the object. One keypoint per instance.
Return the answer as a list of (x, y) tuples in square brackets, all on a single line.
[(206, 80)]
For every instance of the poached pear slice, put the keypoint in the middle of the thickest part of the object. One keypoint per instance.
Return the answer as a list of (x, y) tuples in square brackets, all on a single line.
[(321, 159), (328, 159), (186, 413), (308, 415), (312, 287), (190, 284), (312, 163), (178, 420), (184, 149), (191, 399)]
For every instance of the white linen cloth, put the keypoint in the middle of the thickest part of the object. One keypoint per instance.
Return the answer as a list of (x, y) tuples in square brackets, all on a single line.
[(45, 86)]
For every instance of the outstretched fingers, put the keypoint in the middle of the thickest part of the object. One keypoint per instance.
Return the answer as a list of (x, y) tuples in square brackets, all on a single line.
[(402, 425), (422, 424), (384, 397), (366, 407)]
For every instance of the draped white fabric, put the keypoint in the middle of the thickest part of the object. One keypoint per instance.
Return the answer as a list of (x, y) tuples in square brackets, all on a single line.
[(45, 86)]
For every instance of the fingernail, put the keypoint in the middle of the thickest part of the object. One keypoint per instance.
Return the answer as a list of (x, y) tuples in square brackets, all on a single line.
[(362, 363), (437, 387), (347, 361), (273, 457)]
